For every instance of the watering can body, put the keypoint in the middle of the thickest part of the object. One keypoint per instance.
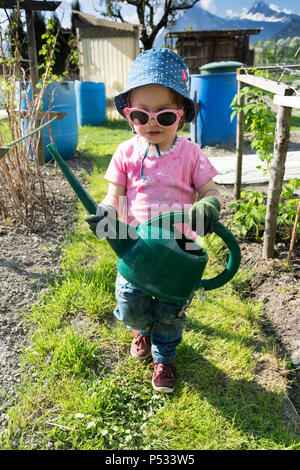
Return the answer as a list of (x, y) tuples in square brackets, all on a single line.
[(157, 258), (162, 262), (160, 265)]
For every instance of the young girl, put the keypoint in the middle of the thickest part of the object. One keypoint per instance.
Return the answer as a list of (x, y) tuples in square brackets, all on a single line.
[(158, 171)]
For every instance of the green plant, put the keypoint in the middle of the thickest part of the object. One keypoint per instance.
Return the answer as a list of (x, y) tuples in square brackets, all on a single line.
[(250, 212), (259, 120), (288, 207), (24, 195), (288, 189), (48, 50)]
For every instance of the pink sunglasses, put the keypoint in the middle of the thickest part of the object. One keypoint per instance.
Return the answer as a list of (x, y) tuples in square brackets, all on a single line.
[(164, 118)]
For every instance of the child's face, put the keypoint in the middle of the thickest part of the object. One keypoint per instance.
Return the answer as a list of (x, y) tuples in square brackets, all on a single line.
[(154, 98)]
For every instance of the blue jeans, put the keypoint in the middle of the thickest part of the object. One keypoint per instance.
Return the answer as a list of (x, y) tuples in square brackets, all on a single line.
[(163, 321)]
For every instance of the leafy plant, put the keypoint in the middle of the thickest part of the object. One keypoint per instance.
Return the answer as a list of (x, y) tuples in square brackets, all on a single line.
[(250, 212), (48, 50), (24, 195), (287, 214), (259, 120)]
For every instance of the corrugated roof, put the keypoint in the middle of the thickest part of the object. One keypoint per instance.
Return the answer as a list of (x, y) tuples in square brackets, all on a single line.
[(84, 20), (215, 32)]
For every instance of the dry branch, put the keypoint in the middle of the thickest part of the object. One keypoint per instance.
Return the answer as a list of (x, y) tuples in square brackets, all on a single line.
[(24, 195), (293, 239)]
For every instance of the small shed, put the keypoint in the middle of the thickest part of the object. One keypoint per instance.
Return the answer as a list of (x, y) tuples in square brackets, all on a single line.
[(106, 51), (201, 47)]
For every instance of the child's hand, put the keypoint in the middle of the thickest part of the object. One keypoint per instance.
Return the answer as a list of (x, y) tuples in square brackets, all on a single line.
[(93, 219), (204, 215)]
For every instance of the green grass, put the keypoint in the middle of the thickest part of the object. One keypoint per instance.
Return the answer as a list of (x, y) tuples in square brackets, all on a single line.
[(82, 390)]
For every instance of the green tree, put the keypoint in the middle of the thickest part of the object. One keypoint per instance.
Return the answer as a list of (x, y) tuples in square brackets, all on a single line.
[(66, 61), (153, 15), (40, 30), (16, 35), (280, 51)]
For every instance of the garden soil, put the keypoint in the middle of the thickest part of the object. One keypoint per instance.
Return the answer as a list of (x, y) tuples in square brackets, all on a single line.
[(30, 258)]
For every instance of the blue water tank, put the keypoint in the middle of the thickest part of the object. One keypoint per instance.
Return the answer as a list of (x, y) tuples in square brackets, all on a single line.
[(90, 103), (58, 96), (215, 92)]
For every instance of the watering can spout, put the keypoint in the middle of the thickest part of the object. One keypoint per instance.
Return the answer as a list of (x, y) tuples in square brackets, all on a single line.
[(121, 236)]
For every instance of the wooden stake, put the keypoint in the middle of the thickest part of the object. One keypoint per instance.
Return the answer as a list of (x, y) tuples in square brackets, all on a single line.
[(282, 135), (195, 118), (294, 234), (34, 75), (239, 145)]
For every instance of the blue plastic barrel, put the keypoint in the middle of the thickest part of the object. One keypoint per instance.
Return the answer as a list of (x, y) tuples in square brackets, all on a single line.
[(58, 96), (90, 103), (215, 93)]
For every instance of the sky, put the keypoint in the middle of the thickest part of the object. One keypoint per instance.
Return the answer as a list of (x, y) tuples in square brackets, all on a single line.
[(221, 8)]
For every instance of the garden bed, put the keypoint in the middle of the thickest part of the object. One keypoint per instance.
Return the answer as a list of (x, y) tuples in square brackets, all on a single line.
[(31, 257)]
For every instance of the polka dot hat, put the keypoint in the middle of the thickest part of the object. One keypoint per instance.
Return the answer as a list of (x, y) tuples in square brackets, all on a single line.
[(158, 66)]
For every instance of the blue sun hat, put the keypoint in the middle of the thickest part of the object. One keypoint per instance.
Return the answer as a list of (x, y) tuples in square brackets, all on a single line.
[(158, 66)]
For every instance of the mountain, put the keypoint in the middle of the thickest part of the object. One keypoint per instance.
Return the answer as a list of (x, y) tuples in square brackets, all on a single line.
[(262, 12), (195, 18), (291, 30), (198, 18), (276, 23), (287, 24)]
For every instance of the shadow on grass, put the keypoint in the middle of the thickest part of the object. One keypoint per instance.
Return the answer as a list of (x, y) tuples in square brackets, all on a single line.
[(253, 409), (121, 124), (90, 162), (195, 325)]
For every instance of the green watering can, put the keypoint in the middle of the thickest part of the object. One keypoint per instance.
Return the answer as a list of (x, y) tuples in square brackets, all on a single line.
[(155, 257)]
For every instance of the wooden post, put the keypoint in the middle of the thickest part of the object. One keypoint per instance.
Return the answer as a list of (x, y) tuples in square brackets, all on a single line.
[(31, 50), (195, 118), (282, 135), (34, 75), (239, 145), (294, 233)]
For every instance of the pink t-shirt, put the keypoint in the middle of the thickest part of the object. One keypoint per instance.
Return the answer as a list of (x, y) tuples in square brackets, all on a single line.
[(171, 180)]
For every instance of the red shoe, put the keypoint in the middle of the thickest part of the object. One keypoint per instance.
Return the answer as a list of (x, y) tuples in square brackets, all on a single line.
[(164, 377), (140, 346)]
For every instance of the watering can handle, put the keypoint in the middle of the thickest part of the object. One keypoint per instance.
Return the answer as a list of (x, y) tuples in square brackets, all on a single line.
[(224, 233), (233, 262)]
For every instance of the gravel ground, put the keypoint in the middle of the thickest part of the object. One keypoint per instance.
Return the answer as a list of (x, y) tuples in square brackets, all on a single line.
[(29, 257)]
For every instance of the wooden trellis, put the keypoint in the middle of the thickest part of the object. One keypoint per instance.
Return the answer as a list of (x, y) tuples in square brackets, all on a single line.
[(285, 98)]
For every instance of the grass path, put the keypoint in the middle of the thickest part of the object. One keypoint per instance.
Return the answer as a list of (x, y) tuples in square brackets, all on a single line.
[(82, 390)]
